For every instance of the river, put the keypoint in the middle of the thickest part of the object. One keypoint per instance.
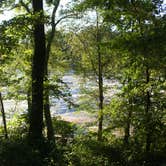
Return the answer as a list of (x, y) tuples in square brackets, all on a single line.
[(58, 106)]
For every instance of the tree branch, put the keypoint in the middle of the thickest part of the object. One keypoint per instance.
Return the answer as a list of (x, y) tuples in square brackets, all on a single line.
[(25, 6)]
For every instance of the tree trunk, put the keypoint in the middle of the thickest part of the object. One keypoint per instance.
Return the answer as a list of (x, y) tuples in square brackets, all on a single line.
[(38, 62), (100, 83), (3, 117), (100, 86), (29, 101), (147, 109), (127, 127), (129, 114), (47, 114)]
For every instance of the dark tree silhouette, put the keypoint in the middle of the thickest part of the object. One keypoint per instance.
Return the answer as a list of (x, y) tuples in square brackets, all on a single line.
[(36, 114)]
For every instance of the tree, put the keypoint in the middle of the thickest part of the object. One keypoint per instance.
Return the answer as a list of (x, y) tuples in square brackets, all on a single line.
[(50, 39), (36, 114), (139, 28), (50, 132), (3, 116), (92, 57)]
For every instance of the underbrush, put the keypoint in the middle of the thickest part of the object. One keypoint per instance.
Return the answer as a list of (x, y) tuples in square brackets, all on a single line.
[(71, 149)]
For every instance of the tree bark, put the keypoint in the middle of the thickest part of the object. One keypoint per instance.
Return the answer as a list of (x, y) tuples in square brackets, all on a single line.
[(38, 62), (100, 82), (47, 114), (3, 117), (147, 109), (100, 86), (127, 127), (129, 115)]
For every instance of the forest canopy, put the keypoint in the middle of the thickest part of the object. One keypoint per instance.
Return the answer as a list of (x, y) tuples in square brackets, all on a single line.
[(83, 82)]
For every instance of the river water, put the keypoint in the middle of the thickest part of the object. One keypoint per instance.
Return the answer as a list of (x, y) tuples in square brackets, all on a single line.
[(58, 106)]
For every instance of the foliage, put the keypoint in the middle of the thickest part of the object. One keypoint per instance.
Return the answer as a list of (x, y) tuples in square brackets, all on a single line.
[(89, 152), (129, 37), (63, 129), (18, 153)]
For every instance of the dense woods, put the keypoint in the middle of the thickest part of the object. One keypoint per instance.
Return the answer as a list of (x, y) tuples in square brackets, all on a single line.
[(113, 53)]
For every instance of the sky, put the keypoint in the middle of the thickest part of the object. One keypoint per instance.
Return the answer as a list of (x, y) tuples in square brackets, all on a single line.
[(6, 15)]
